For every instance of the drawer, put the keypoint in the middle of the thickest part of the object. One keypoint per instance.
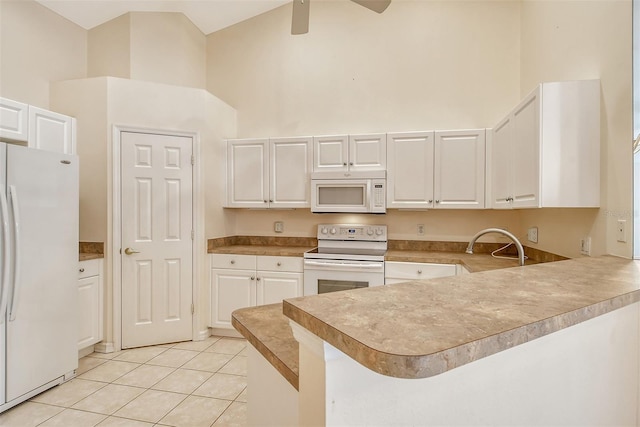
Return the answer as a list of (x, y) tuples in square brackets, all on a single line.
[(280, 263), (89, 268), (414, 270), (238, 262)]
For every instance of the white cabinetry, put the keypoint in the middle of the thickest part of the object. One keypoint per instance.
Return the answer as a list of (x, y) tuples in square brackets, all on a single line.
[(441, 170), (398, 272), (239, 281), (13, 120), (343, 153), (90, 303), (51, 131), (41, 129), (268, 173), (546, 152)]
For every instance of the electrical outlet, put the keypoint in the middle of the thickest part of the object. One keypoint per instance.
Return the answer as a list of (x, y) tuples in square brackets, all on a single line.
[(420, 229), (621, 230), (278, 226), (585, 246), (532, 234)]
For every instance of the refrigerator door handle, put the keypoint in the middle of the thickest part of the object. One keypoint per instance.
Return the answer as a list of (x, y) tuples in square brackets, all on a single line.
[(16, 256), (6, 257)]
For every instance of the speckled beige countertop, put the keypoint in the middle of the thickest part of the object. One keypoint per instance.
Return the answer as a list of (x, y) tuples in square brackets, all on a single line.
[(423, 328), (447, 322)]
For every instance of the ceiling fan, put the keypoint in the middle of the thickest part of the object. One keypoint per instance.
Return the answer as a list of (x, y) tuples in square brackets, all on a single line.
[(300, 19)]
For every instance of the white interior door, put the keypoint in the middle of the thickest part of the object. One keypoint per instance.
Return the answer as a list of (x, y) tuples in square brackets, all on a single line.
[(157, 250)]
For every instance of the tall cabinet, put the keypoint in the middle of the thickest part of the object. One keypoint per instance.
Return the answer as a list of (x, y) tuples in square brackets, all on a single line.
[(546, 151)]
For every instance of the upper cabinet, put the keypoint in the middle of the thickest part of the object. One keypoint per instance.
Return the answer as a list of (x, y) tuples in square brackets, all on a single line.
[(51, 131), (546, 152), (269, 173), (39, 128), (13, 120), (348, 153), (441, 170)]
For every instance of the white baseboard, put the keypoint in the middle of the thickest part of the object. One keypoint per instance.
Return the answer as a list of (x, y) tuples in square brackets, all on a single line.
[(85, 352), (202, 335), (104, 347)]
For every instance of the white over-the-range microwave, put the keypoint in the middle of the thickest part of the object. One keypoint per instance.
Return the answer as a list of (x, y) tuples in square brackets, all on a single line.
[(353, 192)]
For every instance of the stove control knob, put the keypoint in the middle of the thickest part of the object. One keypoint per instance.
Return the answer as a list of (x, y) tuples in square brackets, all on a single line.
[(370, 231), (379, 231), (333, 230), (324, 230)]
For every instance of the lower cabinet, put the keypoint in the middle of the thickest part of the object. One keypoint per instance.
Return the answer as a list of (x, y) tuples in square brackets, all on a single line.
[(90, 303), (398, 272), (239, 281)]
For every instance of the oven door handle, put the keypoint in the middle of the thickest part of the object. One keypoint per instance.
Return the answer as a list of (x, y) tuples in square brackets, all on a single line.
[(359, 266)]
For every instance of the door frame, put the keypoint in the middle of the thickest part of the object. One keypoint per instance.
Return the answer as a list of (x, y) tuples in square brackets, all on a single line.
[(114, 225)]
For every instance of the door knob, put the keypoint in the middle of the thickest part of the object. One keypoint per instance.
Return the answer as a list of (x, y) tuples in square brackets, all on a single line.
[(130, 251)]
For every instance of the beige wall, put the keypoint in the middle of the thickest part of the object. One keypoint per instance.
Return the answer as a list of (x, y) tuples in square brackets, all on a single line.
[(37, 47), (570, 40), (420, 65), (109, 53), (149, 46)]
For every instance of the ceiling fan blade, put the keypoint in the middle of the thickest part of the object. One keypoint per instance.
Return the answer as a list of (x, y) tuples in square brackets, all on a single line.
[(300, 17), (375, 5)]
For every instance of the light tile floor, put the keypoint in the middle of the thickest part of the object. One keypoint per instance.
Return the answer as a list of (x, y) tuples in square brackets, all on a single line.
[(199, 383)]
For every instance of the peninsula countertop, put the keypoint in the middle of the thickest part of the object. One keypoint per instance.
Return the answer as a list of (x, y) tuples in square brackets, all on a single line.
[(422, 328)]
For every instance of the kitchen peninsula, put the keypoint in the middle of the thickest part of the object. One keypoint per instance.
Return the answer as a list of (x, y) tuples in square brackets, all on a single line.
[(553, 343)]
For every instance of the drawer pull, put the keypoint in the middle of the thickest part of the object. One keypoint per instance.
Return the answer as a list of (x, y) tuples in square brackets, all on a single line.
[(419, 271), (253, 278), (233, 261), (258, 279), (279, 264), (82, 270)]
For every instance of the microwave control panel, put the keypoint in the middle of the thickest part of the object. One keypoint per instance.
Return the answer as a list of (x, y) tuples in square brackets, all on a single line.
[(352, 232)]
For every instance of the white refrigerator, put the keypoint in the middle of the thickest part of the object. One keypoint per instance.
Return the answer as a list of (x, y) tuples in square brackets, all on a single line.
[(38, 271)]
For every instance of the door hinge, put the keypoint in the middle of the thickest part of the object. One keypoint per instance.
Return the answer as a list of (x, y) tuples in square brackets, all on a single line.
[(193, 309), (193, 234), (193, 160)]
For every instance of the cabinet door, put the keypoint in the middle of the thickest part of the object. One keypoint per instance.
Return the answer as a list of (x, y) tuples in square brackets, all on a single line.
[(331, 153), (273, 287), (13, 120), (410, 170), (90, 306), (290, 169), (247, 173), (459, 169), (230, 290), (526, 152), (367, 152), (51, 131), (501, 164)]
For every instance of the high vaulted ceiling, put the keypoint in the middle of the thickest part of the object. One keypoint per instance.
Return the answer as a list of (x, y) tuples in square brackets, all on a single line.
[(207, 15)]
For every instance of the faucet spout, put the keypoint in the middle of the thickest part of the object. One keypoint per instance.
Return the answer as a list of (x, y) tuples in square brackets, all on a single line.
[(500, 231)]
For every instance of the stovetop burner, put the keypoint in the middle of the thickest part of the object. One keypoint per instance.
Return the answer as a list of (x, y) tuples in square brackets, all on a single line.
[(350, 242)]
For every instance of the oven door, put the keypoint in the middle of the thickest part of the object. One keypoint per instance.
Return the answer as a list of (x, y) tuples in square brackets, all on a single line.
[(323, 275)]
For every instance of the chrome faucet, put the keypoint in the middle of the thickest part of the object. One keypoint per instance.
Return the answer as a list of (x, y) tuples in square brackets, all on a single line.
[(500, 231)]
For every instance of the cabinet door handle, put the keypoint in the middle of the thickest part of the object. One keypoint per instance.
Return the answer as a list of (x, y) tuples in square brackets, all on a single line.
[(264, 201), (279, 264), (81, 270), (270, 201), (233, 261), (430, 200), (350, 163), (344, 164), (253, 278), (437, 201), (258, 279), (419, 271)]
